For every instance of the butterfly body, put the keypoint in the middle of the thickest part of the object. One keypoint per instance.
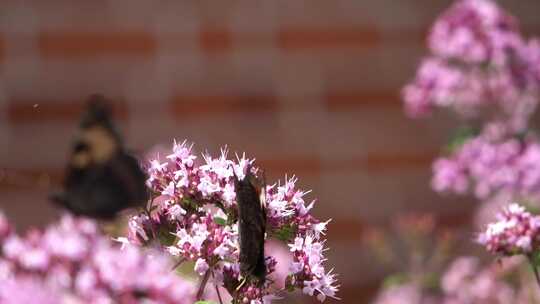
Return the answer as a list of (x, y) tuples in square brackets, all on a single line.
[(251, 226), (102, 179)]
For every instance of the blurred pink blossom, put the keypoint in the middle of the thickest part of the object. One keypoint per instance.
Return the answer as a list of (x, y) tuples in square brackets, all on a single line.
[(480, 67), (491, 168), (72, 262), (465, 282)]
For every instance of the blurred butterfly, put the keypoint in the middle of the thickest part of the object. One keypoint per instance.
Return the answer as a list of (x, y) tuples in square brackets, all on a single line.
[(251, 200), (101, 177)]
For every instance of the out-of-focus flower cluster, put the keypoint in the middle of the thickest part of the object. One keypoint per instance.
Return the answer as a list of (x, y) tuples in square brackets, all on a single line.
[(419, 250), (193, 216), (72, 262), (480, 66), (516, 231), (490, 168), (429, 274), (466, 281), (413, 244)]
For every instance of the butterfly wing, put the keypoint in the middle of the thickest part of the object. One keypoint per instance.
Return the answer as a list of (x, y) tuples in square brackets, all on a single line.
[(251, 226), (101, 178)]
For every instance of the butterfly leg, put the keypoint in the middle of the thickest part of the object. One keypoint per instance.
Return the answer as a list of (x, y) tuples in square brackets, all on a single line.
[(242, 283)]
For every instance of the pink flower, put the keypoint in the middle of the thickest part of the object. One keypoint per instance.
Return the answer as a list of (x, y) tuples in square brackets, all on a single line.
[(491, 168), (401, 294), (5, 228), (309, 270), (449, 175), (480, 67), (201, 266), (72, 262), (474, 31), (283, 262), (28, 289), (195, 218), (515, 232), (465, 282), (460, 270)]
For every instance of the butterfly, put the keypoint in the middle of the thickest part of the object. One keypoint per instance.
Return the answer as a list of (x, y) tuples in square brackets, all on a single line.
[(102, 178), (251, 201)]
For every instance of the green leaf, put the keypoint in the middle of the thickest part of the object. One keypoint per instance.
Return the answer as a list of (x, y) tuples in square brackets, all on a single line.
[(536, 258), (461, 136), (395, 279), (204, 302), (285, 234), (220, 221), (529, 204), (189, 203), (431, 280), (166, 237)]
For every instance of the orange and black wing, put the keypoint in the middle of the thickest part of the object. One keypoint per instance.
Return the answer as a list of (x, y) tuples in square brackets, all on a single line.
[(101, 177)]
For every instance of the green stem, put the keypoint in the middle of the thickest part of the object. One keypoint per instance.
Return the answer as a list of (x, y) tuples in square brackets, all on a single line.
[(217, 290), (203, 285), (182, 260), (535, 270)]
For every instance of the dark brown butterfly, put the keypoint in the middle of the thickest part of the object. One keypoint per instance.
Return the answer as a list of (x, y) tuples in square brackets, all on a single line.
[(101, 177), (251, 200)]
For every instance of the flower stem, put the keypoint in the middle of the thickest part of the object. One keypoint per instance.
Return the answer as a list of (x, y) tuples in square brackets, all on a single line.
[(203, 285), (217, 291), (535, 270), (182, 260)]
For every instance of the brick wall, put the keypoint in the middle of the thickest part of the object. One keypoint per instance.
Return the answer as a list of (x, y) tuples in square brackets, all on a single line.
[(307, 87)]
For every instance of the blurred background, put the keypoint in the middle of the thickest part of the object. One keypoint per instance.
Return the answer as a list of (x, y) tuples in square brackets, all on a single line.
[(309, 88)]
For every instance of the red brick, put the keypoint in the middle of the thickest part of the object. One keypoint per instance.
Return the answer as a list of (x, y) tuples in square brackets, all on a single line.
[(83, 44), (405, 36), (347, 100), (292, 165), (187, 105), (28, 179), (382, 162), (308, 38), (215, 40), (24, 111), (351, 230), (2, 47), (531, 30), (379, 162)]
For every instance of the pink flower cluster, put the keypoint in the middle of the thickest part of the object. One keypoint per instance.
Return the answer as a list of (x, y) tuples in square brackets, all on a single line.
[(72, 262), (476, 32), (516, 231), (409, 293), (490, 168), (479, 63), (307, 270), (465, 281), (193, 216), (481, 67)]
